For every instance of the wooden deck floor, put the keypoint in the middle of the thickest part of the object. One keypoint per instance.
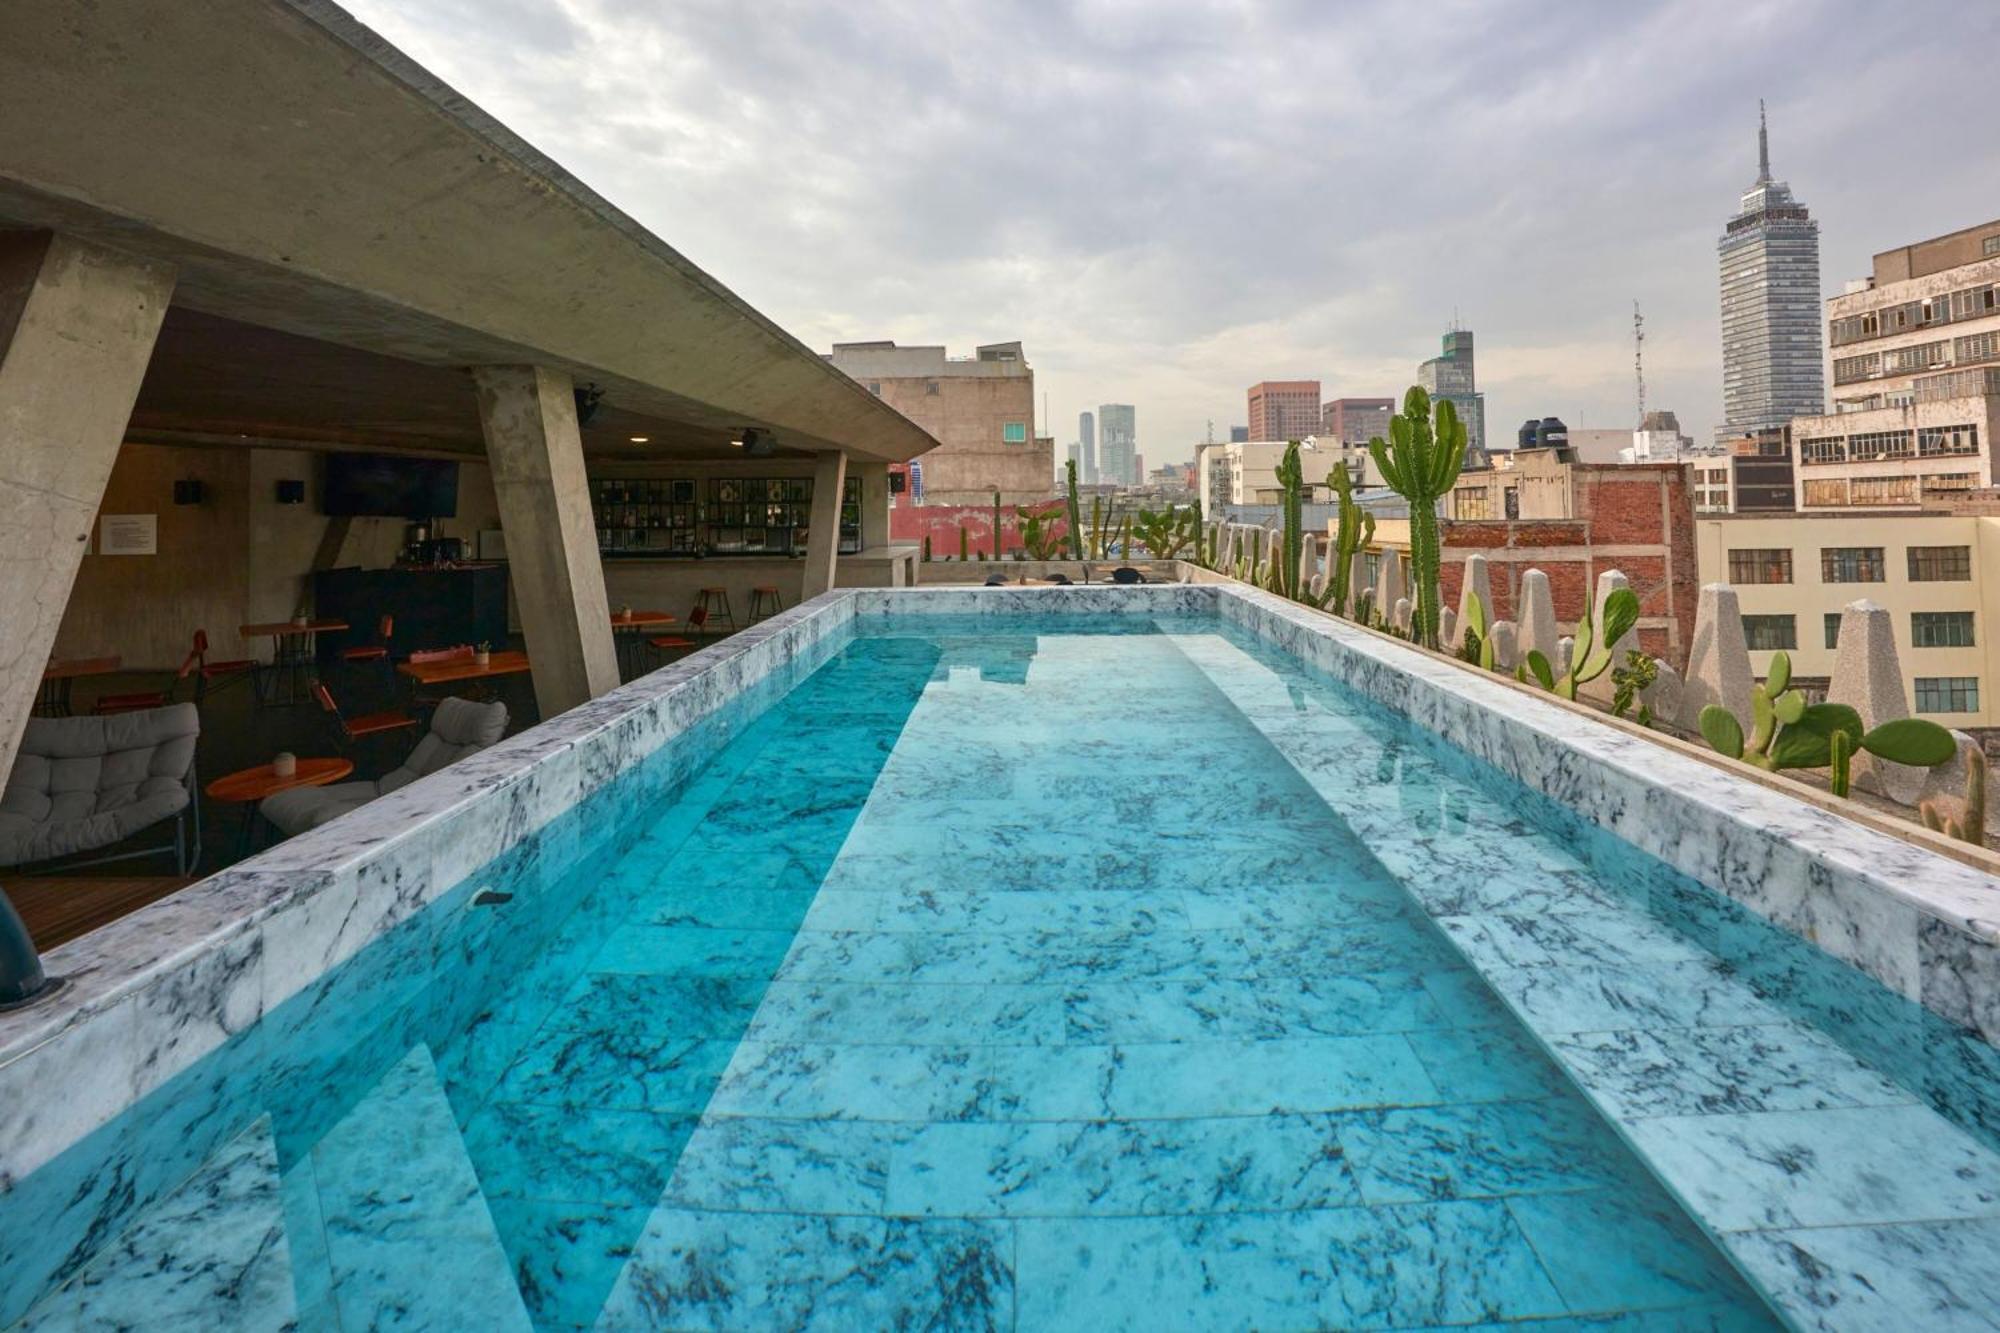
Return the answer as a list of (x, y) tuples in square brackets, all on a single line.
[(61, 907)]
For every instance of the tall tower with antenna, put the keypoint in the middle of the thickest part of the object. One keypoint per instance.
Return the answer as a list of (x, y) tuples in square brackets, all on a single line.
[(1639, 361)]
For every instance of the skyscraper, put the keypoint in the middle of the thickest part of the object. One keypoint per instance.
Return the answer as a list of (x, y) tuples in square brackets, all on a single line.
[(1769, 259), (1450, 375), (1118, 443), (1284, 409), (1086, 439)]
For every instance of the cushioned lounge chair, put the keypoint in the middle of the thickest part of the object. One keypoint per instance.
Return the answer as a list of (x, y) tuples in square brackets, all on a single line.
[(82, 783), (459, 727)]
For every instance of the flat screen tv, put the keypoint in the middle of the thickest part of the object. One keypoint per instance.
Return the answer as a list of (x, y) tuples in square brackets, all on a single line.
[(389, 486)]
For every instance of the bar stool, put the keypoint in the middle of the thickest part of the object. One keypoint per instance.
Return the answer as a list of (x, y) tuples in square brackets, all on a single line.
[(714, 604), (765, 601)]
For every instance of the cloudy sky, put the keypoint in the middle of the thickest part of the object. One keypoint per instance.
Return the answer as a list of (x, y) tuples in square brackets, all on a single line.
[(1168, 201)]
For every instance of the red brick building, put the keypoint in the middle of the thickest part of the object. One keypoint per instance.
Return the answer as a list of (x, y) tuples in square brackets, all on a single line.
[(1284, 409), (1573, 521)]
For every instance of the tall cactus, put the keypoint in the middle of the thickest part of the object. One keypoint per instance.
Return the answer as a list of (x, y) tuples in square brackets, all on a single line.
[(1075, 516), (1355, 528), (996, 525), (1421, 461), (1292, 478)]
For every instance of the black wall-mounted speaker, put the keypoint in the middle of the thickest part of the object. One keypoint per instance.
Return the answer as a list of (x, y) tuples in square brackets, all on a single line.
[(291, 492), (187, 492), (898, 482)]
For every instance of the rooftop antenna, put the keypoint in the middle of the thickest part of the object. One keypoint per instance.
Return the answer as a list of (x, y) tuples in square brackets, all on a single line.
[(1763, 146), (1639, 360)]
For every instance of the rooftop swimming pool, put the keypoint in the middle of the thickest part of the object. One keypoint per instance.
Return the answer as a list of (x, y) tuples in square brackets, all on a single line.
[(1049, 972)]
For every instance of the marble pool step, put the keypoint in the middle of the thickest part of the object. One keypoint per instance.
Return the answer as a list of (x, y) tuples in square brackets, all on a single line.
[(408, 1241), (213, 1254), (1850, 1202)]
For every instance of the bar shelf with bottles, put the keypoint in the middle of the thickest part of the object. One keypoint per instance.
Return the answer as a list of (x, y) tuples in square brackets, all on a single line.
[(680, 517)]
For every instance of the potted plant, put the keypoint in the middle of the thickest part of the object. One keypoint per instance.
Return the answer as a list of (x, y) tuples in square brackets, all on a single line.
[(482, 655)]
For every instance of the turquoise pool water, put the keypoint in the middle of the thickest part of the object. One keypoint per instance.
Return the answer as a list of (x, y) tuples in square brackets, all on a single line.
[(1003, 974)]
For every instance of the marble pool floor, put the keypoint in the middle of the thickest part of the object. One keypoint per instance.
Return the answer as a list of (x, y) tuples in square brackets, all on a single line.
[(962, 1007)]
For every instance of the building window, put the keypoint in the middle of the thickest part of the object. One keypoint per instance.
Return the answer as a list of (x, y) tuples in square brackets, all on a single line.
[(1754, 565), (1976, 347), (1848, 369), (1851, 564), (1949, 481), (1884, 490), (1766, 633), (1879, 444), (1826, 490), (1921, 357), (1940, 564), (1833, 629), (1935, 440), (875, 387), (1824, 449), (1941, 629), (1990, 246), (931, 388), (1947, 694), (1014, 432)]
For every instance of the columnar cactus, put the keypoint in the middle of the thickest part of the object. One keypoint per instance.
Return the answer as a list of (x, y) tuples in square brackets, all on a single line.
[(1421, 461), (1354, 528), (1291, 477), (1075, 515)]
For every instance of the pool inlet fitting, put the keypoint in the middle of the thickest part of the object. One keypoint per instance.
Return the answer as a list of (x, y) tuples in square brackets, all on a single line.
[(22, 979)]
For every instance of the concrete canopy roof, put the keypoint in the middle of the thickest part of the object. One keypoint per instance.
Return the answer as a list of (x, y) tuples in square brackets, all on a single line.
[(351, 234)]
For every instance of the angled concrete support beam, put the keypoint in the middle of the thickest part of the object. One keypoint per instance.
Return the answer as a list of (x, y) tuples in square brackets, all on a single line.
[(528, 414), (823, 537), (77, 324)]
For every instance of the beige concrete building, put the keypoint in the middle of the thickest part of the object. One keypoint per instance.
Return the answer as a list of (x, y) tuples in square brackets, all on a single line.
[(1244, 472), (1916, 379), (981, 408), (1937, 572)]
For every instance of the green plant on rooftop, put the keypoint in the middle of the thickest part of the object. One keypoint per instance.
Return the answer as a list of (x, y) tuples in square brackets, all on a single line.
[(1590, 657), (964, 544), (1354, 528), (1969, 823), (1630, 681), (1166, 533), (927, 549), (1788, 732), (1421, 460), (1477, 646), (996, 523), (1039, 534), (1075, 514), (1097, 533)]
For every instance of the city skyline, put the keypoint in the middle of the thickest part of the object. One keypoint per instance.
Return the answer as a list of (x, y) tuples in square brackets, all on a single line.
[(1593, 152)]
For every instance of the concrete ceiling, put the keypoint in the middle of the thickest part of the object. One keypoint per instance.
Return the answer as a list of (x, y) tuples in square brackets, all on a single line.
[(351, 234)]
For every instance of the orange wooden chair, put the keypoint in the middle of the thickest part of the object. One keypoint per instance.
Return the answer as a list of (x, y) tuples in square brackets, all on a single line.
[(353, 729), (696, 623), (195, 665), (377, 651)]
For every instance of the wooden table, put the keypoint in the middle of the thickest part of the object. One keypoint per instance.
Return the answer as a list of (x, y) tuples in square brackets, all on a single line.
[(629, 642), (291, 655), (251, 785), (509, 663), (52, 700)]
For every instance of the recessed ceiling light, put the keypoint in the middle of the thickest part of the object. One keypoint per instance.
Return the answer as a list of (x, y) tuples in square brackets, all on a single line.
[(641, 439)]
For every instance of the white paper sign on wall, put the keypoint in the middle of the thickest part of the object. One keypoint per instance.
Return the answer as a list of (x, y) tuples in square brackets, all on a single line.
[(128, 534)]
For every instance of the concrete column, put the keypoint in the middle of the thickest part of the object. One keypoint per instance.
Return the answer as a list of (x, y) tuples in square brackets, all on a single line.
[(528, 414), (77, 325), (874, 504), (823, 537)]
